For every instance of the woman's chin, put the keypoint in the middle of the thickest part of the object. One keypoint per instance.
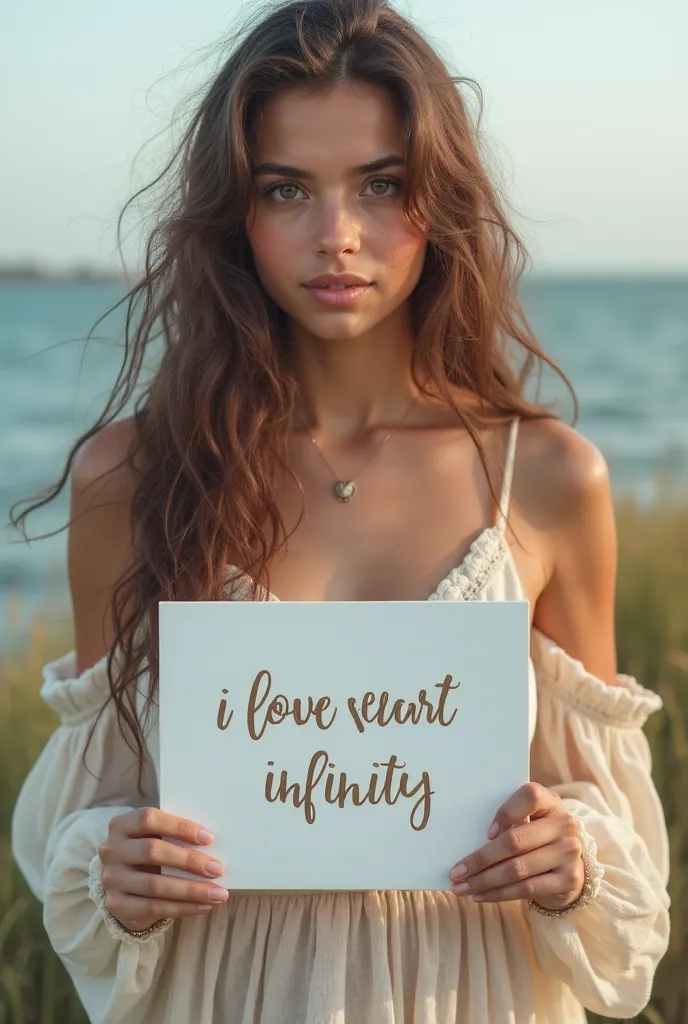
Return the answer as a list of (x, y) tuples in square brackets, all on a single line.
[(334, 326)]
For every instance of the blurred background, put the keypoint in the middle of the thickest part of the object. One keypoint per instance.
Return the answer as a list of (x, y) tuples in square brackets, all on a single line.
[(584, 131)]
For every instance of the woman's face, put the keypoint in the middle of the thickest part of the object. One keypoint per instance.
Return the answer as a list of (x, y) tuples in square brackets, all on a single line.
[(323, 212)]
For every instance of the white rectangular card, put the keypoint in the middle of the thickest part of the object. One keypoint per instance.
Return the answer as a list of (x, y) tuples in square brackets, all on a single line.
[(371, 791)]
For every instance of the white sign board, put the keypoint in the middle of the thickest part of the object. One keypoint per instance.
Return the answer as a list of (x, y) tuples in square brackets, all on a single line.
[(342, 745)]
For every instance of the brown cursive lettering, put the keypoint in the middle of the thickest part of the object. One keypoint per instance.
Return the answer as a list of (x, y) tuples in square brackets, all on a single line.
[(279, 708), (376, 709), (338, 790), (223, 719)]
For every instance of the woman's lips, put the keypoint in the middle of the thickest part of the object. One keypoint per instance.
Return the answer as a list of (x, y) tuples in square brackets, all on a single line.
[(338, 296)]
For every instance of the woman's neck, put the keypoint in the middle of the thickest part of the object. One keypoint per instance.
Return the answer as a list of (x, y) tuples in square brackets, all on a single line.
[(353, 385)]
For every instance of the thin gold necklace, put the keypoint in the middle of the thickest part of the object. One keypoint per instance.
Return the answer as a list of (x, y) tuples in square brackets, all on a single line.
[(344, 490)]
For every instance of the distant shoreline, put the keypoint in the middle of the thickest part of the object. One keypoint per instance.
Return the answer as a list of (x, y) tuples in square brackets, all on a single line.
[(61, 275)]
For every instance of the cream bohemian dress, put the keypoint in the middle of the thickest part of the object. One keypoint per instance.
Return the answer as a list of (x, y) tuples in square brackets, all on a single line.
[(367, 957)]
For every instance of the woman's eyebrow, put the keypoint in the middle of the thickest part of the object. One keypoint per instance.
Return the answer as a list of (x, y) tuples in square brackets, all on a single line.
[(393, 160)]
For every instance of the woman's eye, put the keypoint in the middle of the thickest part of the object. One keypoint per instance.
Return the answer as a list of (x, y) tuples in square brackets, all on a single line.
[(276, 191), (277, 186), (385, 182)]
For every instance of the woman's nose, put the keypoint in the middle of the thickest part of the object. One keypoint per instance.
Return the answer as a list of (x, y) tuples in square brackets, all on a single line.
[(338, 231)]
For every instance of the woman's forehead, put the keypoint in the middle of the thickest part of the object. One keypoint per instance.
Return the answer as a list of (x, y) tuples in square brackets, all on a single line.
[(344, 127)]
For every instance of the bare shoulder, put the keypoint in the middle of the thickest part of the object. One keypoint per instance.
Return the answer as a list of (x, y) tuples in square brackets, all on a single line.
[(102, 485), (565, 487), (563, 475), (104, 454)]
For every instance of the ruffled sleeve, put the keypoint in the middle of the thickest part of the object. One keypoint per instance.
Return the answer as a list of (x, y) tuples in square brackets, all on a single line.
[(590, 748), (60, 819)]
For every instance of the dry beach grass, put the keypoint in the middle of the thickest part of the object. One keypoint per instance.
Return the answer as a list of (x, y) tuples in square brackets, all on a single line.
[(652, 635)]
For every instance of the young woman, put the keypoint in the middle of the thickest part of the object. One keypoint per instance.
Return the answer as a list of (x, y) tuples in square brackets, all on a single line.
[(339, 413)]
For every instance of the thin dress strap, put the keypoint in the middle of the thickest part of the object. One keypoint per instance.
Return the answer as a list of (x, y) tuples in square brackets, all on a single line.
[(508, 475)]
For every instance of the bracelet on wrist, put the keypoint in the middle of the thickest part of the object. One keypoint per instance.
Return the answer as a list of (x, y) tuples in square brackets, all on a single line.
[(593, 873)]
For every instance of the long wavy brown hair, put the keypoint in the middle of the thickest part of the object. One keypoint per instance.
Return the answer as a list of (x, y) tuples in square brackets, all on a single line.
[(211, 422)]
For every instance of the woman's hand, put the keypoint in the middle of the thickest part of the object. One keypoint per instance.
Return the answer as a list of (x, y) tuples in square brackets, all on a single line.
[(136, 893), (536, 860)]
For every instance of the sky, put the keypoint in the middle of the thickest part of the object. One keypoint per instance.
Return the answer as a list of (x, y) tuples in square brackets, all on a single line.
[(585, 115)]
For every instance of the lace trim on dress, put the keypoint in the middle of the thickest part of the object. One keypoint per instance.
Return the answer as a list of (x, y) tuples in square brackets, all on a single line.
[(469, 579), (117, 930)]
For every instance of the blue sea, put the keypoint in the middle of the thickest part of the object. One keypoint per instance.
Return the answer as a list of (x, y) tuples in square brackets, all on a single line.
[(623, 344)]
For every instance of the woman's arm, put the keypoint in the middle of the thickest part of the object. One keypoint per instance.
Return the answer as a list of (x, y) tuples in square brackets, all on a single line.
[(99, 543), (590, 749), (591, 807), (64, 809)]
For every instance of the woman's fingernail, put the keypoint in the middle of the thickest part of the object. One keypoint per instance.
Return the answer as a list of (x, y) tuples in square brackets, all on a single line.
[(217, 894), (493, 830), (458, 871), (214, 867), (204, 837)]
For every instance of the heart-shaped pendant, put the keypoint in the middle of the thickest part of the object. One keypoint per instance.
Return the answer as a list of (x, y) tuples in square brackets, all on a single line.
[(344, 490)]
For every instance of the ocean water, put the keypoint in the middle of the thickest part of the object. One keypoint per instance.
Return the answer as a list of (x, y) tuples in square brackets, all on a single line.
[(623, 344)]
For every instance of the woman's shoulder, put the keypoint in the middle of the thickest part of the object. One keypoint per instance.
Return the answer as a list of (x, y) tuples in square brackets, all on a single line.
[(559, 473), (556, 468), (109, 454)]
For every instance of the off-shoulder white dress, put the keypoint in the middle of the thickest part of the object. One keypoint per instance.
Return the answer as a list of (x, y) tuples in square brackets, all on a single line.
[(367, 957)]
